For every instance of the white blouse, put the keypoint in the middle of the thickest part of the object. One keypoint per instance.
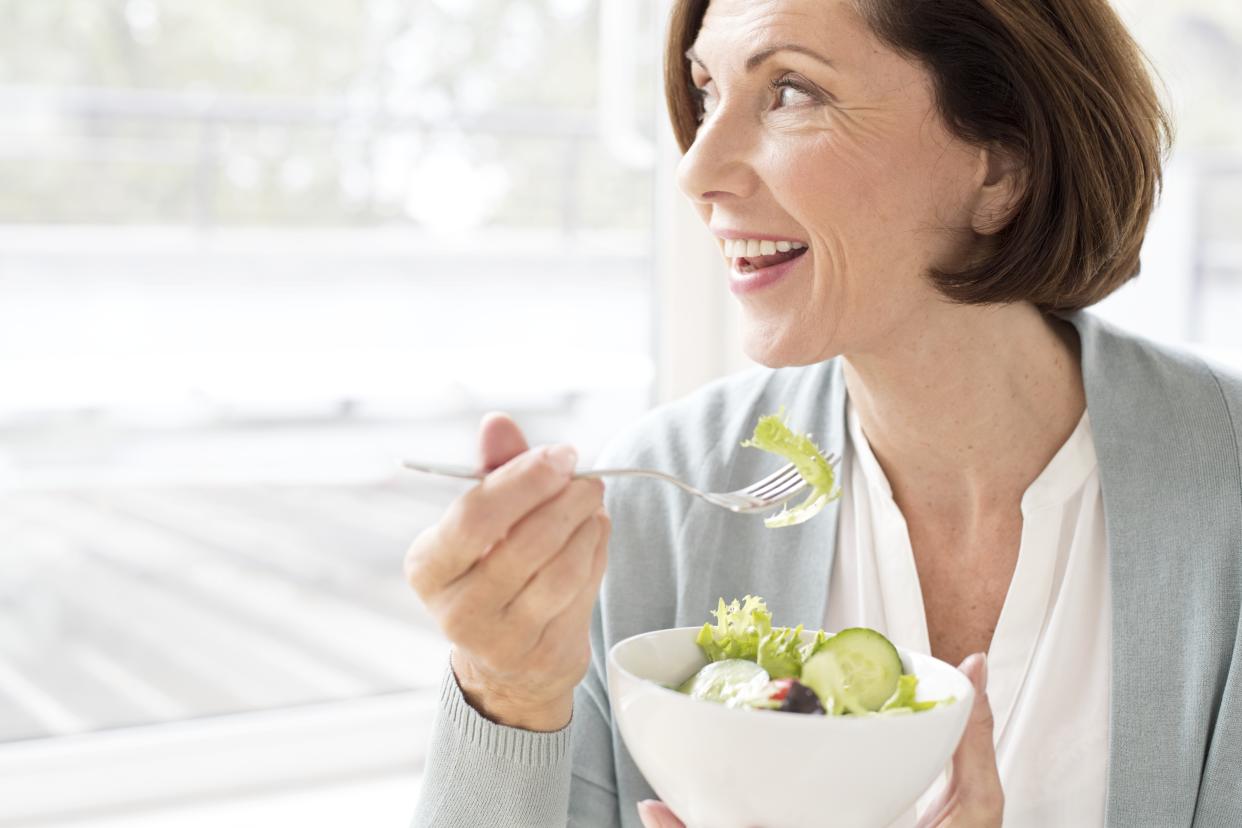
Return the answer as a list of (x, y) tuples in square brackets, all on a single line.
[(1049, 660)]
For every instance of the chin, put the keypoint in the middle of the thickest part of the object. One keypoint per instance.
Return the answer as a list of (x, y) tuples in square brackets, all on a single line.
[(775, 349)]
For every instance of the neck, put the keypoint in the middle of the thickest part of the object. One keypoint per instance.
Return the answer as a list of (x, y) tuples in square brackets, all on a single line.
[(966, 411)]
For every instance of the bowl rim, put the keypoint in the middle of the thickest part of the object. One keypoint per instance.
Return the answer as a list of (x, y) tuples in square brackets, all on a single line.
[(952, 708)]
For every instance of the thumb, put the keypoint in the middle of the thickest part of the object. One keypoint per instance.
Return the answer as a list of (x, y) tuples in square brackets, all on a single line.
[(655, 814), (974, 762), (500, 440)]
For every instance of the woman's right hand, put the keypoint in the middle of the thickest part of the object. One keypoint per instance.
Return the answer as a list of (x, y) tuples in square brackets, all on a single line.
[(510, 573)]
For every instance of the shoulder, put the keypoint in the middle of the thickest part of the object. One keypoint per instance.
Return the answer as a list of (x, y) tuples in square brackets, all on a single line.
[(1167, 427), (1128, 373), (1137, 363)]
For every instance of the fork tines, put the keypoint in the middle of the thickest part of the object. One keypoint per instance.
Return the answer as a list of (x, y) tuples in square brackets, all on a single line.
[(775, 483)]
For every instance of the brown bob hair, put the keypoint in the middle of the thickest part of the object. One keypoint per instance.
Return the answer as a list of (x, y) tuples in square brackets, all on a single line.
[(1062, 86)]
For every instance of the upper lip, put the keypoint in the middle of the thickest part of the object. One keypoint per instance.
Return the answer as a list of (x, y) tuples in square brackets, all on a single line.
[(725, 233)]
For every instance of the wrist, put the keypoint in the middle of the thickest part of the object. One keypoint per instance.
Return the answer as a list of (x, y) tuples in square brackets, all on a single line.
[(505, 707)]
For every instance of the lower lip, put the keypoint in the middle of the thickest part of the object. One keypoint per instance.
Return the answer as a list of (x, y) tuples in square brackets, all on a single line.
[(758, 279)]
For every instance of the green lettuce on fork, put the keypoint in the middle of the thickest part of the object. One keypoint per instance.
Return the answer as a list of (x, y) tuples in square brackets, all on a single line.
[(772, 434)]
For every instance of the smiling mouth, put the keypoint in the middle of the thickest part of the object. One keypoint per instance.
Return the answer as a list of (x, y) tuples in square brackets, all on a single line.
[(751, 264)]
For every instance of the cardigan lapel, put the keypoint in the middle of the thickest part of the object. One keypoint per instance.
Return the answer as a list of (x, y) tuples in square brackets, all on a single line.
[(1160, 436)]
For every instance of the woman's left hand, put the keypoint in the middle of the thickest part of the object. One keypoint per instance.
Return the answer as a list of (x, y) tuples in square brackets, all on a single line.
[(972, 799)]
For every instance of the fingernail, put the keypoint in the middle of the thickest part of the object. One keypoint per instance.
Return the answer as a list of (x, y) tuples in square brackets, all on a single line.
[(983, 672), (563, 458), (644, 809)]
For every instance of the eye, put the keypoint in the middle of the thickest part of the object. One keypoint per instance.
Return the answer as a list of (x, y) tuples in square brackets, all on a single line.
[(704, 98), (791, 91)]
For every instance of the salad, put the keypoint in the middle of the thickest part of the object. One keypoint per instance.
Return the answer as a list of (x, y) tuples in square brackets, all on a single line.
[(751, 664), (772, 434)]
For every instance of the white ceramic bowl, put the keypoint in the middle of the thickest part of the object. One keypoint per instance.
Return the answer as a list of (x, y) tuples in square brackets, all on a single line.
[(721, 767)]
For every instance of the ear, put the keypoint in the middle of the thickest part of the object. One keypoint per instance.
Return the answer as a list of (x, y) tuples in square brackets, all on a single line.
[(1000, 184)]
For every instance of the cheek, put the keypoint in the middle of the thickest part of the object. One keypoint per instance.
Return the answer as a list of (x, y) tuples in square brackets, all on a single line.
[(871, 194), (838, 188)]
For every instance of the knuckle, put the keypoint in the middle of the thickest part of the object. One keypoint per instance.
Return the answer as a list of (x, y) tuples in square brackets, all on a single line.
[(542, 472), (568, 558), (460, 623), (452, 627), (415, 566), (597, 529), (589, 521), (587, 495), (983, 714), (410, 566), (992, 801), (466, 512), (523, 613)]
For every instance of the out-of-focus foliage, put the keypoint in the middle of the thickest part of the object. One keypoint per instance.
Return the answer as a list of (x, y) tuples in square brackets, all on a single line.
[(454, 113)]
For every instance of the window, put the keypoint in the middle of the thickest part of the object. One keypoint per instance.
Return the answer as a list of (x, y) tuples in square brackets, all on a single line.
[(252, 254), (1190, 291)]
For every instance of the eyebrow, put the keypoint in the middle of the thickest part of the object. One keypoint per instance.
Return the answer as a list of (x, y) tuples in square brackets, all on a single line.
[(755, 60)]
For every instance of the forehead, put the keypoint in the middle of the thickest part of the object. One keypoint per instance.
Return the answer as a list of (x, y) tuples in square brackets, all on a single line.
[(733, 29)]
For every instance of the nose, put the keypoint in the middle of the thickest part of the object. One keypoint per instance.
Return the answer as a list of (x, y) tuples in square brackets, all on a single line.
[(716, 167)]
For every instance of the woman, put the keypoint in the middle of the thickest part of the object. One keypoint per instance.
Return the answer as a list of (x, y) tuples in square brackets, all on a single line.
[(1019, 479)]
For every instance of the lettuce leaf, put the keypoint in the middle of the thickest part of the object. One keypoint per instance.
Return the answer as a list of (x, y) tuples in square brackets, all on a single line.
[(737, 631), (902, 700), (779, 653), (903, 696), (773, 435), (812, 647)]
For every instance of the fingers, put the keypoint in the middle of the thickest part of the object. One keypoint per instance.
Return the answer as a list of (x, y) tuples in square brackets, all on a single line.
[(500, 440), (655, 814), (975, 777), (976, 753), (537, 539), (571, 628), (483, 516), (554, 587), (973, 795)]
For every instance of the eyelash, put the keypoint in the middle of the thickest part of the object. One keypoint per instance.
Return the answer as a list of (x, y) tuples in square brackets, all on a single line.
[(784, 82), (775, 85)]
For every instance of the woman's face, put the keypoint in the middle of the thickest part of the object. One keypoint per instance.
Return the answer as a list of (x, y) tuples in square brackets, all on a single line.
[(851, 159)]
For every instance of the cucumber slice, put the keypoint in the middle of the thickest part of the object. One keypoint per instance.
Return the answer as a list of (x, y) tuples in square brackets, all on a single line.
[(732, 680), (866, 663), (824, 676)]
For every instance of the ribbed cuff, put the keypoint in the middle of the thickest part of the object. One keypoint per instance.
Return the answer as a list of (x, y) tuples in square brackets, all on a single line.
[(527, 747)]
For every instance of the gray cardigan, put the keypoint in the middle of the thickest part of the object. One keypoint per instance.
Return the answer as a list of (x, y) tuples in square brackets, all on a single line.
[(1167, 428)]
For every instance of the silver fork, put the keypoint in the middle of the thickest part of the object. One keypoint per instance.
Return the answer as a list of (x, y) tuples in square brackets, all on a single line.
[(775, 489)]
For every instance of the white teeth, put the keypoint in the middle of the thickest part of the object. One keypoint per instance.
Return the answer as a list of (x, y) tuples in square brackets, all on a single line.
[(738, 248)]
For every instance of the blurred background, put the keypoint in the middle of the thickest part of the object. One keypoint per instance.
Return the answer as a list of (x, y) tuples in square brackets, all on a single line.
[(254, 252)]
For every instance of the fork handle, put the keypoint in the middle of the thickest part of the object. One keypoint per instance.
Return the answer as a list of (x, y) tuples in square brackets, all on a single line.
[(445, 470), (467, 473)]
